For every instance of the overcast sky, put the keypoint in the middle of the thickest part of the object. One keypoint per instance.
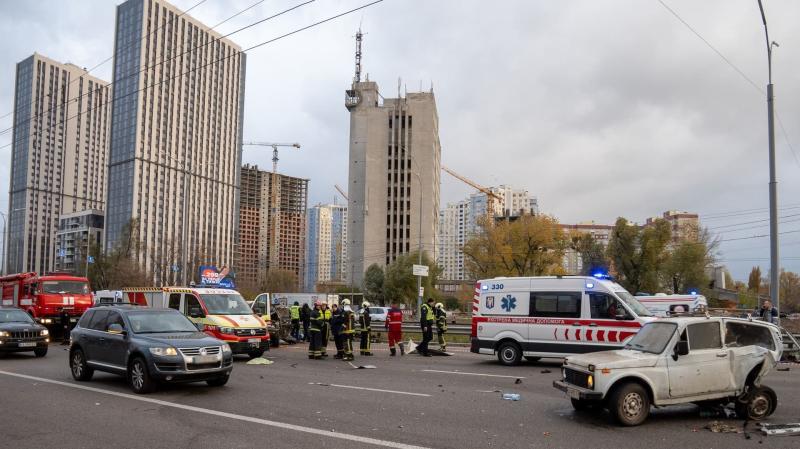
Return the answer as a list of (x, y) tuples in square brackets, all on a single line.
[(601, 109)]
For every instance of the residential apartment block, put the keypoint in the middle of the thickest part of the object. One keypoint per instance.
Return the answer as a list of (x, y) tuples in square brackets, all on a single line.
[(59, 155), (74, 237), (326, 245), (513, 203), (176, 137)]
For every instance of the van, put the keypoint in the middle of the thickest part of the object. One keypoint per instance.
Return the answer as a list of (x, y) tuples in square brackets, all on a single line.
[(554, 316), (664, 305)]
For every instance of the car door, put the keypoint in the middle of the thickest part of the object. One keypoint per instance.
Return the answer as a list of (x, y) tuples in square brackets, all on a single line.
[(706, 369), (190, 301), (174, 301), (604, 331), (554, 324), (113, 346), (93, 333)]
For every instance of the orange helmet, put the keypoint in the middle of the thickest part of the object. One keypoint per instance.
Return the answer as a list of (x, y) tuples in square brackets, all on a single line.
[(318, 303)]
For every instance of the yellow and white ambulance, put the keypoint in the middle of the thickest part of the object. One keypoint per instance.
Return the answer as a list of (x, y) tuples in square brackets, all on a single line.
[(218, 312)]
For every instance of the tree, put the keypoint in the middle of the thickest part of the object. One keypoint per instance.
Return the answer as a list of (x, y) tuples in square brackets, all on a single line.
[(754, 282), (730, 284), (592, 252), (638, 256), (400, 284), (372, 284), (120, 267), (530, 246), (279, 280), (790, 291), (685, 269)]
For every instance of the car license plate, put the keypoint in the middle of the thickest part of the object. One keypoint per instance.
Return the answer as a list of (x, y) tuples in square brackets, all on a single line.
[(206, 359), (255, 342), (574, 394), (74, 320), (27, 345)]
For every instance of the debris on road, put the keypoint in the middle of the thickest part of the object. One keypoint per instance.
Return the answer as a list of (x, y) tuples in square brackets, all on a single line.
[(511, 397), (779, 429), (783, 369), (518, 381), (546, 371), (363, 366), (488, 391), (260, 361), (718, 427), (545, 433)]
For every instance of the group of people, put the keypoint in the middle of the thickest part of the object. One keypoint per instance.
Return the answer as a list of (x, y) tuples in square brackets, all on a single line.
[(320, 322)]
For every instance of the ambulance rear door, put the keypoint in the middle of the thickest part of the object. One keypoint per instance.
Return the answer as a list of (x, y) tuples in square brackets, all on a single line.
[(503, 307)]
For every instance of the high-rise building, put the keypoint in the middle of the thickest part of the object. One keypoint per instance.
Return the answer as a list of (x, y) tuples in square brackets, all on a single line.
[(326, 245), (685, 226), (512, 203), (573, 264), (453, 223), (176, 137), (271, 238), (58, 156), (76, 232)]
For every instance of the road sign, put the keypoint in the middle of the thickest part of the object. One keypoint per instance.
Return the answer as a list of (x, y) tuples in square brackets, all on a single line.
[(420, 270), (62, 253), (90, 259), (175, 268), (422, 291)]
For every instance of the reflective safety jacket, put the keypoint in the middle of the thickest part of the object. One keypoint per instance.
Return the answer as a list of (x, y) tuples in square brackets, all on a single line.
[(295, 312), (364, 320), (441, 320), (394, 319), (316, 320), (326, 316), (426, 316), (348, 322)]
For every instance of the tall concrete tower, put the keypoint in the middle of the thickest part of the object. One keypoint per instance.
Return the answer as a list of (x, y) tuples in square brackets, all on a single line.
[(394, 164)]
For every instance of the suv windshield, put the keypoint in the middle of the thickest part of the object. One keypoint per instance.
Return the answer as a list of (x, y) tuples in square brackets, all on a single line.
[(633, 303), (653, 337), (15, 316), (73, 287), (151, 322), (232, 304)]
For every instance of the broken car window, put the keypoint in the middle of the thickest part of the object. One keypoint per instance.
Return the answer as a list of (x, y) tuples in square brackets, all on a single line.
[(743, 334), (704, 336), (653, 337)]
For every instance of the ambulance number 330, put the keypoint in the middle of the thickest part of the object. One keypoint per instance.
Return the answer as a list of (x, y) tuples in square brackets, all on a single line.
[(497, 286)]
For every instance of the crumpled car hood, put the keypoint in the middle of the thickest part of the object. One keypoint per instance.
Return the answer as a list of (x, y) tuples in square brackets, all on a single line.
[(616, 359)]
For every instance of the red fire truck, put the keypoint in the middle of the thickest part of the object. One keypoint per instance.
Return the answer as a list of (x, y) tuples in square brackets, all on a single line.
[(41, 296)]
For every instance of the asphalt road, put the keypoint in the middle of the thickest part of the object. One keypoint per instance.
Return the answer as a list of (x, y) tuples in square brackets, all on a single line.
[(427, 404)]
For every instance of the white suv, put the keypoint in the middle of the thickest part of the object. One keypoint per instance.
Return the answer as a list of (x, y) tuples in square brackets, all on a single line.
[(707, 360)]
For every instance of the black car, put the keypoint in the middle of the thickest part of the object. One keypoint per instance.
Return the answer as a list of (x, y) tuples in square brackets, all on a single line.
[(148, 346), (20, 333)]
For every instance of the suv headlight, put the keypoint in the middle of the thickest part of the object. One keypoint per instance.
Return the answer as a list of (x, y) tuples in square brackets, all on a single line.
[(226, 349), (45, 333), (3, 334), (590, 381), (163, 351), (226, 330)]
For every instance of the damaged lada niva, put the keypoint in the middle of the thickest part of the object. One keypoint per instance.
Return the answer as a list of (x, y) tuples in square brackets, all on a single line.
[(711, 361)]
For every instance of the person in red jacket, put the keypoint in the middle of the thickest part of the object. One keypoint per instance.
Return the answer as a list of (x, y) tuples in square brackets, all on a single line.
[(394, 327)]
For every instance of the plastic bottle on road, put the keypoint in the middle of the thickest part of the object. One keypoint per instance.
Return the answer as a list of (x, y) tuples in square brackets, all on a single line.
[(511, 397), (708, 414)]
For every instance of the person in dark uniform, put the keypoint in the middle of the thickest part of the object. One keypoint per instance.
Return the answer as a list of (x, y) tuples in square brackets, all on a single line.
[(441, 325), (315, 333), (326, 328), (348, 330), (364, 320), (426, 318), (336, 329), (305, 314), (64, 316)]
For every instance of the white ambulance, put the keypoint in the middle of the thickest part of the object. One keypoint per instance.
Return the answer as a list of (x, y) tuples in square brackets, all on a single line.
[(557, 316), (665, 305)]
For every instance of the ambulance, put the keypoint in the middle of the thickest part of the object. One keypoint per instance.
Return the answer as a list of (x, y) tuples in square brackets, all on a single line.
[(664, 305), (219, 312), (556, 316)]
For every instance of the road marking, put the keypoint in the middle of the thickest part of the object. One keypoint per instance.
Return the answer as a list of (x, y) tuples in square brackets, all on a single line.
[(471, 374), (370, 389), (316, 432)]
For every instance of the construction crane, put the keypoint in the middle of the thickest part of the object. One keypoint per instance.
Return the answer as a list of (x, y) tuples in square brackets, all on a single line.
[(274, 150), (490, 196), (341, 191)]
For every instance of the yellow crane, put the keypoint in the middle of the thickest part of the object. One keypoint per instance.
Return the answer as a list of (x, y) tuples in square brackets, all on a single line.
[(339, 188), (274, 150), (490, 196)]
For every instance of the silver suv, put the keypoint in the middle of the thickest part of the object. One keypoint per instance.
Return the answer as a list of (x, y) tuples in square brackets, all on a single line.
[(708, 360)]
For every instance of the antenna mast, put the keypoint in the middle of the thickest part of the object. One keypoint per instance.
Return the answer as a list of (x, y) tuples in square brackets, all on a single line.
[(359, 38)]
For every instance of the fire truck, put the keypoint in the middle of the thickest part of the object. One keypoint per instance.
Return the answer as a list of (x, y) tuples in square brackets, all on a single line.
[(41, 296)]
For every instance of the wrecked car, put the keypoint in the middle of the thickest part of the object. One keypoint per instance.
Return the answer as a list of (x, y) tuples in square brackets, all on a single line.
[(709, 361)]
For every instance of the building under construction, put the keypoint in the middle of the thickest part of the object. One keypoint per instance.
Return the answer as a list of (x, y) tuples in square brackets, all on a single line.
[(272, 220)]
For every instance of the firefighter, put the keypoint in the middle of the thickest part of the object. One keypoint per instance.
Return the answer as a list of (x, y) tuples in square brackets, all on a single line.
[(64, 316), (364, 320), (336, 330), (348, 330), (441, 325), (315, 333), (394, 328), (295, 310), (426, 318), (326, 328)]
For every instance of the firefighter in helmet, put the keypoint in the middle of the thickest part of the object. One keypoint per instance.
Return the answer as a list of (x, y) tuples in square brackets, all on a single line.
[(364, 321), (441, 325), (348, 329), (315, 333)]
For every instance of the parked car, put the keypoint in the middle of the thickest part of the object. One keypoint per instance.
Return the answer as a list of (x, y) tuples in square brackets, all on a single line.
[(708, 360), (148, 346), (20, 333), (376, 313)]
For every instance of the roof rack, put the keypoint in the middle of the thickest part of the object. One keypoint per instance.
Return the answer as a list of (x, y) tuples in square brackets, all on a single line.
[(719, 312), (116, 304)]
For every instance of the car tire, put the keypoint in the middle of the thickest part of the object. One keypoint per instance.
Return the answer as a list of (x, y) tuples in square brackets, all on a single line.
[(532, 359), (40, 352), (585, 405), (509, 354), (629, 404), (139, 377), (761, 404), (218, 382), (77, 364), (255, 354)]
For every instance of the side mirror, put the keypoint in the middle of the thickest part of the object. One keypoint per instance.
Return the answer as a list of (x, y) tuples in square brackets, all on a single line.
[(682, 348), (38, 320), (620, 314), (116, 329), (194, 312)]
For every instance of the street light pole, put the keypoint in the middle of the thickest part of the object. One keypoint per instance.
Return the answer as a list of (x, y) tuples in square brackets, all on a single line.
[(421, 198), (775, 271)]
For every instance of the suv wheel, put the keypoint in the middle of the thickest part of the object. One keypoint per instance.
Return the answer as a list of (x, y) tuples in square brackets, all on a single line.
[(255, 354), (218, 382), (140, 377), (509, 354), (760, 404), (40, 352), (77, 363), (629, 404)]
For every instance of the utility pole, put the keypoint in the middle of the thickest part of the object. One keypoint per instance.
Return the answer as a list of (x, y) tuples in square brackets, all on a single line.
[(775, 271)]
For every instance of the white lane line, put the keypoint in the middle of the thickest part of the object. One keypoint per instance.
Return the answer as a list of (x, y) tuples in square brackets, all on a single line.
[(266, 422), (472, 374), (370, 389)]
